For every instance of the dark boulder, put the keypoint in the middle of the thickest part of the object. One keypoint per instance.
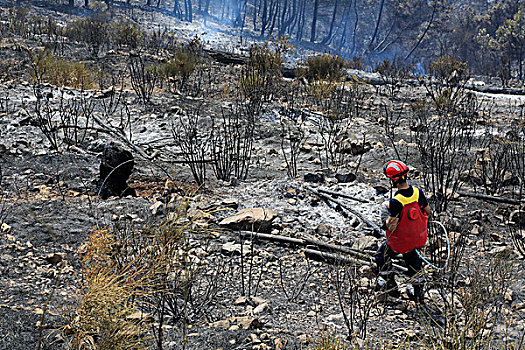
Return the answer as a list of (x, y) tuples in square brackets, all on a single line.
[(115, 168), (314, 178)]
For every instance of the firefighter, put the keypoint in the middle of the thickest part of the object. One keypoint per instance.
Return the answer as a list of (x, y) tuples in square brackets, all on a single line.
[(406, 230)]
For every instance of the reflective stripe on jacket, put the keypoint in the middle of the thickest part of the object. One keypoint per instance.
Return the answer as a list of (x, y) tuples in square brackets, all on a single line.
[(411, 231)]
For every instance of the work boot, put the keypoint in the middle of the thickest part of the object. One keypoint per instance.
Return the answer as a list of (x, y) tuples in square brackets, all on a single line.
[(389, 285), (416, 292)]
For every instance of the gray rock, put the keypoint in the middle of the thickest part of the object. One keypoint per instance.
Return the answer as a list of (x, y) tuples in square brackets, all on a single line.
[(247, 322), (256, 219), (157, 208), (241, 301), (5, 228), (365, 242), (260, 308), (258, 300), (230, 248), (323, 230)]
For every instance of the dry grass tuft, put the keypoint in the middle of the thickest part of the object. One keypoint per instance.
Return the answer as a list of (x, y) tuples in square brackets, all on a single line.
[(128, 273), (101, 319)]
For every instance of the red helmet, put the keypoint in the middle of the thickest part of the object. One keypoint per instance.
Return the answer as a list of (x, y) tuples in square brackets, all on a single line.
[(395, 169)]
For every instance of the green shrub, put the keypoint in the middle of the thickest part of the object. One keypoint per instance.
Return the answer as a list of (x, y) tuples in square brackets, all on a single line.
[(93, 31), (394, 69), (392, 72), (46, 68), (177, 71), (253, 85), (44, 26), (265, 60), (356, 63), (18, 20), (126, 33), (325, 67), (446, 85), (98, 6), (445, 66), (143, 76), (259, 77), (322, 90)]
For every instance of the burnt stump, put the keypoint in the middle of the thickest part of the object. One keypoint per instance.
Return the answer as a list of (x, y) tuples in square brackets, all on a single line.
[(115, 169)]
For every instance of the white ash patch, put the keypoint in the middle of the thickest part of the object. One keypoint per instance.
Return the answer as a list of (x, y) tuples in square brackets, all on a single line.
[(298, 213)]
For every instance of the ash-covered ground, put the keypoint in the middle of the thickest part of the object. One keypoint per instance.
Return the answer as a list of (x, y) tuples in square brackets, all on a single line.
[(248, 293)]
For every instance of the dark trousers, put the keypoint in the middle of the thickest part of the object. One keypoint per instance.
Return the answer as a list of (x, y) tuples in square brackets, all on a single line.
[(384, 255)]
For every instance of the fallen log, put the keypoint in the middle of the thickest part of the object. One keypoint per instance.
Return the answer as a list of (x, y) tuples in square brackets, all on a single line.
[(273, 238), (339, 194), (363, 256), (333, 258), (490, 198), (336, 248), (227, 57), (374, 227), (304, 242), (340, 259)]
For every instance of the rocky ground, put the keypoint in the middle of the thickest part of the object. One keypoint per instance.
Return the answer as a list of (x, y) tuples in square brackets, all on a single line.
[(261, 294)]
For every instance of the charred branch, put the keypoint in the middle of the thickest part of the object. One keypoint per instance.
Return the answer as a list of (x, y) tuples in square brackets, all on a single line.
[(490, 198)]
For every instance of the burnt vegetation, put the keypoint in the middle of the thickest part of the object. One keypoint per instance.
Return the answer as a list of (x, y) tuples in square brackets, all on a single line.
[(299, 91)]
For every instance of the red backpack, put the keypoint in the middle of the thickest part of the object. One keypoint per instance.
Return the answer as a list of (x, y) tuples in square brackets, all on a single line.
[(411, 231)]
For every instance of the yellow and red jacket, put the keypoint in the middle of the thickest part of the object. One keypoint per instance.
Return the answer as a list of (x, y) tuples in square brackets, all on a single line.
[(411, 231)]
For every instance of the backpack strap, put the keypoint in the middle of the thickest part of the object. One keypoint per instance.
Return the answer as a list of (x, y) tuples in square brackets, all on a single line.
[(407, 200)]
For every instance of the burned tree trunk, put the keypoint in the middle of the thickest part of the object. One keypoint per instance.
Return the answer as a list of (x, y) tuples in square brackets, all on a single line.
[(264, 17), (314, 21), (286, 23), (189, 10), (255, 7), (275, 15), (424, 33), (206, 13), (332, 23), (282, 16), (355, 28), (301, 20), (115, 168), (346, 20), (175, 6), (381, 6)]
